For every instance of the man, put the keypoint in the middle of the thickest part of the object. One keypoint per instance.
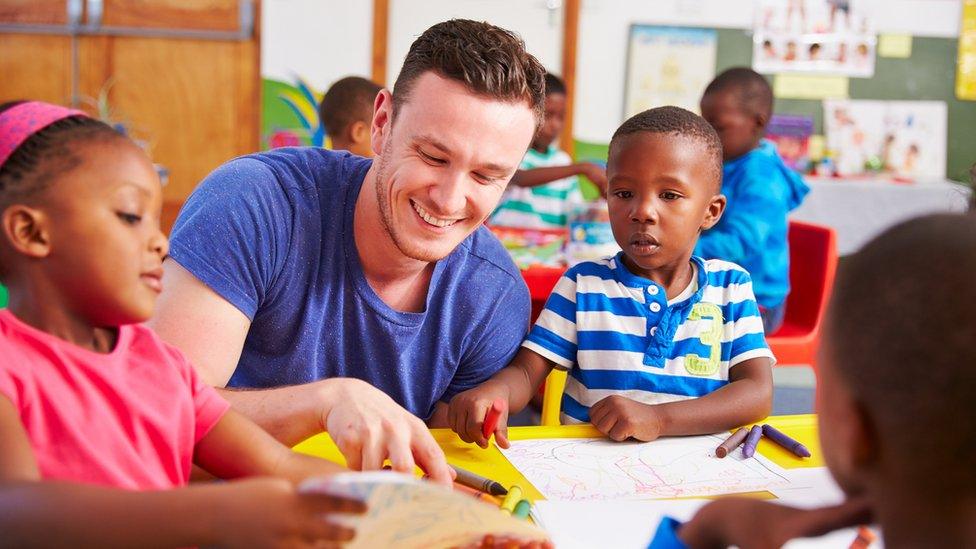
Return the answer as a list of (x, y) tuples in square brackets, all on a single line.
[(317, 277)]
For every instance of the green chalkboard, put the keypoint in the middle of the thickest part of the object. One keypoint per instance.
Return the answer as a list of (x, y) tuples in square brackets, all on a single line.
[(929, 74)]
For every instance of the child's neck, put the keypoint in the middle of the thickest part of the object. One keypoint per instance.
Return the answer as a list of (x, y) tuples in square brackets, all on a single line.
[(927, 522), (541, 147), (673, 278), (41, 306)]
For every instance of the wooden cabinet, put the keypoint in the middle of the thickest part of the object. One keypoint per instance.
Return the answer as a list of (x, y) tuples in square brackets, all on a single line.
[(182, 75)]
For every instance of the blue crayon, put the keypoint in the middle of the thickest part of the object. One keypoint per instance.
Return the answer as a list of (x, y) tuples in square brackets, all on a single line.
[(785, 441), (749, 448)]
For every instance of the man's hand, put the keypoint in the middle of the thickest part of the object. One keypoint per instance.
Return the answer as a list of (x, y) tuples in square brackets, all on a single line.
[(466, 413), (621, 418), (756, 524), (369, 427)]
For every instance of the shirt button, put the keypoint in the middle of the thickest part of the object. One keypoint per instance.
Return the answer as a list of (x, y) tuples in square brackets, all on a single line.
[(652, 290), (653, 330), (655, 307)]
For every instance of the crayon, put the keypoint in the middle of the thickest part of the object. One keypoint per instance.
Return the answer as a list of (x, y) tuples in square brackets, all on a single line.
[(477, 494), (732, 442), (513, 497), (785, 441), (522, 509), (865, 537), (491, 417), (478, 482), (749, 448)]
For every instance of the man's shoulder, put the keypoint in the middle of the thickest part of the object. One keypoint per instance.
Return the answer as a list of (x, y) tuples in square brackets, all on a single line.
[(306, 167)]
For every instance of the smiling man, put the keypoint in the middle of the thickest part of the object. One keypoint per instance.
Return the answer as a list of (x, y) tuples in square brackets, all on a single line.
[(359, 296)]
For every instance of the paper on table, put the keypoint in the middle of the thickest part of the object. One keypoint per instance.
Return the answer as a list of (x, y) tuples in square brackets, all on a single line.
[(810, 487), (599, 469), (406, 512)]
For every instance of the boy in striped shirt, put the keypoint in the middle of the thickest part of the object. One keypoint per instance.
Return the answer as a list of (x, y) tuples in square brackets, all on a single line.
[(657, 342)]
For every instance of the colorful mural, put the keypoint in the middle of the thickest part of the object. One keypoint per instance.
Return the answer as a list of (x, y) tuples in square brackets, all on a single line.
[(289, 114)]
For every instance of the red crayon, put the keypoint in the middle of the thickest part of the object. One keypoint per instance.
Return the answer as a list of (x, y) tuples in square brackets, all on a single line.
[(491, 418)]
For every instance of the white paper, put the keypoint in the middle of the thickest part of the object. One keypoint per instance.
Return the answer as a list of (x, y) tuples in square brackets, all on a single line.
[(599, 469)]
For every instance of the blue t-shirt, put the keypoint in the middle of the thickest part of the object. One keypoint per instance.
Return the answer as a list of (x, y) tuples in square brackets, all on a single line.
[(272, 234), (752, 233)]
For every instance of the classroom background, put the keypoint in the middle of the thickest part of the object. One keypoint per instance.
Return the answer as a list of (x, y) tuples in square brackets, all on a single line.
[(874, 104)]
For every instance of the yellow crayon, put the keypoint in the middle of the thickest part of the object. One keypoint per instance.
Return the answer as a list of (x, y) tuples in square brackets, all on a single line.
[(512, 498)]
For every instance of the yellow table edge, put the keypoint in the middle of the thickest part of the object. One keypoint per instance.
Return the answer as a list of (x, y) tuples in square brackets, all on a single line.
[(492, 463)]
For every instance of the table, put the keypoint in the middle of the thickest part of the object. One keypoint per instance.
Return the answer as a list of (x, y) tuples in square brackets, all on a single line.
[(492, 464), (860, 209)]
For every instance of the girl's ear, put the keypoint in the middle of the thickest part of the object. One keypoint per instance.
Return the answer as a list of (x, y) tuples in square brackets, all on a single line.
[(26, 229)]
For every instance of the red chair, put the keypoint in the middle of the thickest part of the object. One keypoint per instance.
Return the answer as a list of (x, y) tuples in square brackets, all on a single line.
[(813, 263), (541, 281)]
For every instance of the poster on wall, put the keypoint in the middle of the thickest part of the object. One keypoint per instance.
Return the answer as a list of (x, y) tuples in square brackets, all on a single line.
[(813, 36), (667, 66), (902, 138)]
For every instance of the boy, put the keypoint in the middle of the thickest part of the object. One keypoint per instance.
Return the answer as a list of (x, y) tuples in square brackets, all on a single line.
[(896, 391), (545, 187), (647, 331), (346, 112), (760, 189)]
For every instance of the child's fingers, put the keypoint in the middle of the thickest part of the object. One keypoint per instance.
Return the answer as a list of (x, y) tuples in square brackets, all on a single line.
[(315, 530), (620, 431), (318, 503), (501, 431)]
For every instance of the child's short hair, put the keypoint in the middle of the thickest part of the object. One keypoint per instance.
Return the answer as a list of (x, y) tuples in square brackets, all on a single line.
[(554, 84), (676, 121), (31, 167), (488, 60), (755, 94), (348, 100), (899, 335)]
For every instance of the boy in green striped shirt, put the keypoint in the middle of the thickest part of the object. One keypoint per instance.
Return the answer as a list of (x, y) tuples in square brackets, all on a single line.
[(546, 186)]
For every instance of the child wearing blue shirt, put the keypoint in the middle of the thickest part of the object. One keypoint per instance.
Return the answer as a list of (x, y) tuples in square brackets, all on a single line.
[(761, 190), (657, 342)]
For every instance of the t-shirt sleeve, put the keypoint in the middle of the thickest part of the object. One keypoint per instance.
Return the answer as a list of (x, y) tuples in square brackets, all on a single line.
[(666, 535), (505, 327), (233, 232), (9, 387), (748, 336), (554, 335)]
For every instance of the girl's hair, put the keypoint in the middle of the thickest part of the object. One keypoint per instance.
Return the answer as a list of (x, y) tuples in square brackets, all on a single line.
[(31, 166)]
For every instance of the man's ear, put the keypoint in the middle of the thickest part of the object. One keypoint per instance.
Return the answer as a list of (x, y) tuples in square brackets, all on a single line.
[(26, 229), (382, 124), (716, 206)]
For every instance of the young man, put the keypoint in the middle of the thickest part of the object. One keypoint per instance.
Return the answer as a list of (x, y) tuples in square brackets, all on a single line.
[(346, 290), (346, 111)]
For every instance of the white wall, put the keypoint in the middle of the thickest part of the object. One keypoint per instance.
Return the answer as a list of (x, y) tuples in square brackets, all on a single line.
[(319, 40)]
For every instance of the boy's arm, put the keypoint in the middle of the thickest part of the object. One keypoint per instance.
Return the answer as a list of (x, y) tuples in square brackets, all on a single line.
[(745, 224), (747, 398), (254, 513), (516, 383), (540, 176)]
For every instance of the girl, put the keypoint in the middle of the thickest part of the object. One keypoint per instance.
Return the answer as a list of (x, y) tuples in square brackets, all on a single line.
[(100, 420)]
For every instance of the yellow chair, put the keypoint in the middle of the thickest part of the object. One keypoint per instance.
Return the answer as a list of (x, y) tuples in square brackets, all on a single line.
[(552, 398)]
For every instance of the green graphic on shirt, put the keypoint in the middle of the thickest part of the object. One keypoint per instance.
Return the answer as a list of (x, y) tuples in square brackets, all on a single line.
[(707, 366)]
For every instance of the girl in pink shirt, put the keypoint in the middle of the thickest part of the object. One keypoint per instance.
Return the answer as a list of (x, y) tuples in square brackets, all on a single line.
[(100, 421)]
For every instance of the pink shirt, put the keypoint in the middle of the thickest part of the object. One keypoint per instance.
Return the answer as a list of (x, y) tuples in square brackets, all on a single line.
[(129, 418)]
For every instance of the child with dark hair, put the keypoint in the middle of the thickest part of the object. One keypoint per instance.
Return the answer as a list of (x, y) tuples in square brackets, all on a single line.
[(100, 420), (543, 191), (761, 190), (346, 112), (657, 342), (895, 393)]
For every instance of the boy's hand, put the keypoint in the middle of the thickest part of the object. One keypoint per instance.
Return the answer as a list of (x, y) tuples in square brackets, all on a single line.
[(466, 413), (621, 418), (595, 173), (752, 523), (268, 512)]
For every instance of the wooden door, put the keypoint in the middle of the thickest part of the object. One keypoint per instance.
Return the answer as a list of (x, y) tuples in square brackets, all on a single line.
[(35, 65)]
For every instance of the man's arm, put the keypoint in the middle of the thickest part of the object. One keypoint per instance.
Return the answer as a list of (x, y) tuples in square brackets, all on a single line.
[(368, 427)]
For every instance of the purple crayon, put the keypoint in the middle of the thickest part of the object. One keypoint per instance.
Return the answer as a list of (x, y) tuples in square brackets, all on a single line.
[(780, 438), (749, 448)]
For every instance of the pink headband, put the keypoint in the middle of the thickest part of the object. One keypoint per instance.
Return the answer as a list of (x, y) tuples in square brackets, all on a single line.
[(24, 120)]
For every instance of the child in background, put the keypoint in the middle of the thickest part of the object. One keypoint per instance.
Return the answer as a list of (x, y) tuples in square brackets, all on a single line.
[(543, 191), (895, 394), (658, 342), (346, 112), (761, 190), (100, 420)]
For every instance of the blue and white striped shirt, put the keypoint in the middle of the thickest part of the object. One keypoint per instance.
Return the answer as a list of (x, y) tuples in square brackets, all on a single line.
[(618, 334)]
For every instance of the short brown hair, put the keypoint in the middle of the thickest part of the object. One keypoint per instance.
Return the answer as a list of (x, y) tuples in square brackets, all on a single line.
[(348, 100), (488, 60)]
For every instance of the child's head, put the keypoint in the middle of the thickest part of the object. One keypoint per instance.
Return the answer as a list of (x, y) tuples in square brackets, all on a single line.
[(79, 205), (346, 111), (814, 51), (665, 172), (897, 368), (738, 104), (555, 113)]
